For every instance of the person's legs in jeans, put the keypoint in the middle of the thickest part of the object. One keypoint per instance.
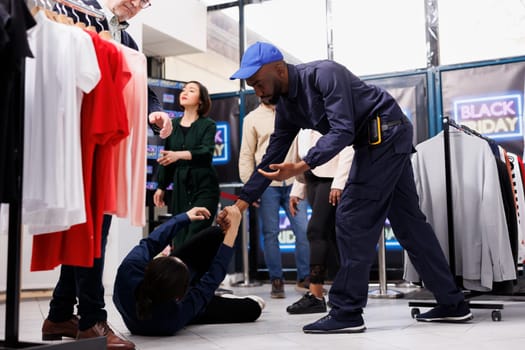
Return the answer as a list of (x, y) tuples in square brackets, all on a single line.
[(269, 220), (299, 223)]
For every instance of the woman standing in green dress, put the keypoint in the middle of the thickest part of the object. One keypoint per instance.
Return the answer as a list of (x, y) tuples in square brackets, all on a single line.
[(187, 160)]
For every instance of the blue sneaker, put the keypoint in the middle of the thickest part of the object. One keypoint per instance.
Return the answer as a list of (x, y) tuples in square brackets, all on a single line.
[(447, 313), (329, 325)]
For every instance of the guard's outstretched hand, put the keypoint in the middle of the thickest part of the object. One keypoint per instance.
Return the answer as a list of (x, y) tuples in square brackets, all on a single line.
[(284, 171)]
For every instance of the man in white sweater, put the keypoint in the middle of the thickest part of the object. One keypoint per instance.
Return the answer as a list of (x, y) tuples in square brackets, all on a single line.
[(256, 131)]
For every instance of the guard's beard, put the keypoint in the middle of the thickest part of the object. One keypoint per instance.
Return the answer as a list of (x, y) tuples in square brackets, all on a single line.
[(274, 99), (276, 94)]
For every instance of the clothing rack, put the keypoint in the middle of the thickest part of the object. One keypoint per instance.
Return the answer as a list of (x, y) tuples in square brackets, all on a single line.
[(496, 313), (80, 6), (14, 245)]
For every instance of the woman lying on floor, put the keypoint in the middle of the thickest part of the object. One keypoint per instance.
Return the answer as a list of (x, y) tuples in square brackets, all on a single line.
[(157, 296)]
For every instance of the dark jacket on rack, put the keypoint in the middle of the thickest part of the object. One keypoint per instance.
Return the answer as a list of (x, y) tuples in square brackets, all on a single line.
[(15, 20)]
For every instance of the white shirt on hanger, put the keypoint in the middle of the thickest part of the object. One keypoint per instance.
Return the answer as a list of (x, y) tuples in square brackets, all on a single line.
[(482, 248), (65, 66)]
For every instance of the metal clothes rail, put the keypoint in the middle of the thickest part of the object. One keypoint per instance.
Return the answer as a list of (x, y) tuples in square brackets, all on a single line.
[(82, 7), (496, 313), (13, 289)]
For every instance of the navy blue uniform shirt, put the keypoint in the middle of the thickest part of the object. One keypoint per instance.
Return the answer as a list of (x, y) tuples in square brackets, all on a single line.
[(327, 97)]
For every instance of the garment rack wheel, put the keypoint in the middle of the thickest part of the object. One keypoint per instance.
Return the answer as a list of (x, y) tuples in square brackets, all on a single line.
[(496, 315), (414, 309), (414, 312), (496, 309)]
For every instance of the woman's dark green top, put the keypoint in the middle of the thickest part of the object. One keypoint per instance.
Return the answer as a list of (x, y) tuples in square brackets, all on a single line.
[(195, 181)]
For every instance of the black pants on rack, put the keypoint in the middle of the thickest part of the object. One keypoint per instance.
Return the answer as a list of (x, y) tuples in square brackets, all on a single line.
[(198, 254)]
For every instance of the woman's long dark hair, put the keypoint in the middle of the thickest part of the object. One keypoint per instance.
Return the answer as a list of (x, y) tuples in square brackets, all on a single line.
[(165, 278)]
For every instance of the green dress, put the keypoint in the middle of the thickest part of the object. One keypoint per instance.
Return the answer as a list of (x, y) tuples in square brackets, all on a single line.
[(195, 181)]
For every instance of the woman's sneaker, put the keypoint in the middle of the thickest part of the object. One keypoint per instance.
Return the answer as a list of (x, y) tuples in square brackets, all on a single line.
[(308, 304)]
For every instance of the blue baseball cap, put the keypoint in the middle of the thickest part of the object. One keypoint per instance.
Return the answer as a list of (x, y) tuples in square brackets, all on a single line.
[(256, 56)]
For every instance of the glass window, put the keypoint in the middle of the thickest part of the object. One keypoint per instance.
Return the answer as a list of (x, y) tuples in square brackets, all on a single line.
[(477, 30), (379, 36), (369, 37), (296, 27)]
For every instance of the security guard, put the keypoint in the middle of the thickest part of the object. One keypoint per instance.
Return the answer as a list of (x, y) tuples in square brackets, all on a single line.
[(325, 96)]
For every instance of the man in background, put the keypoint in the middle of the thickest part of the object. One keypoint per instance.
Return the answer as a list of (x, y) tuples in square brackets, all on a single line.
[(257, 128)]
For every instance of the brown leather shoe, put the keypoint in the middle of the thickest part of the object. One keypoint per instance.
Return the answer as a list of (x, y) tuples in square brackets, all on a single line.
[(101, 329), (56, 330)]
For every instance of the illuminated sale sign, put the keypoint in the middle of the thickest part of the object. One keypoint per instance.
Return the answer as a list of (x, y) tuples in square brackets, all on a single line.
[(221, 154), (493, 116)]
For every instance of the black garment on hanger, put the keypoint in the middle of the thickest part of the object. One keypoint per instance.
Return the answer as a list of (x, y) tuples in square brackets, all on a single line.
[(15, 20), (509, 205), (506, 287)]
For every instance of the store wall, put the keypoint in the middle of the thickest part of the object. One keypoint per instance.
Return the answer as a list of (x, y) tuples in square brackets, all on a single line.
[(170, 28)]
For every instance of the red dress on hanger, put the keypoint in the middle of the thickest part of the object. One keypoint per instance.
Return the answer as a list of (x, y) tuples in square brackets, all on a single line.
[(104, 123)]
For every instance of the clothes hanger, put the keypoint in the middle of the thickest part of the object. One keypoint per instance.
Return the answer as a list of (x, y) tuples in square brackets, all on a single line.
[(104, 34), (78, 22), (35, 8), (52, 14), (41, 5), (61, 15), (89, 26)]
